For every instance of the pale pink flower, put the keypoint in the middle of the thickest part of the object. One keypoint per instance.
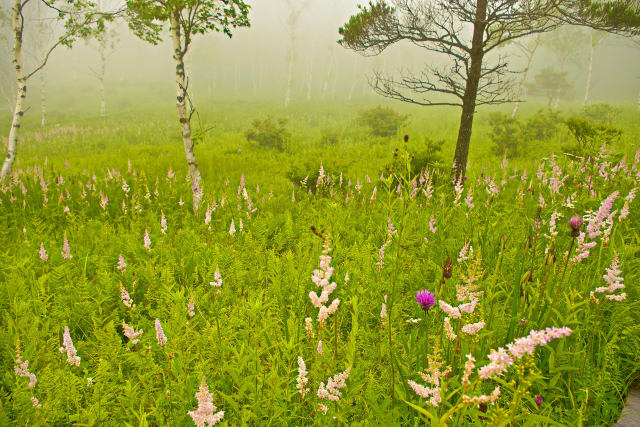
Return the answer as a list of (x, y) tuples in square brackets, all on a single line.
[(160, 336), (383, 311), (614, 280), (147, 240), (596, 222), (67, 347), (432, 224), (22, 370), (206, 413), (448, 329), (451, 311), (302, 379), (308, 327), (66, 250), (322, 278), (43, 252), (35, 403), (217, 279), (191, 307), (163, 223), (433, 394), (472, 328), (466, 252), (477, 400), (469, 201), (618, 298), (131, 333), (501, 359), (232, 229), (320, 347), (582, 251), (469, 366), (334, 384), (126, 298), (122, 266)]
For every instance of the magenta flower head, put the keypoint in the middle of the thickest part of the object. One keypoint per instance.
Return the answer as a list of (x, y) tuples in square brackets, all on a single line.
[(539, 400), (576, 224), (426, 299)]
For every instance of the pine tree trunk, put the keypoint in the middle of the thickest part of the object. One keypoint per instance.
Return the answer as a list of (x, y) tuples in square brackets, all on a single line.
[(181, 104), (588, 87), (471, 91), (18, 112)]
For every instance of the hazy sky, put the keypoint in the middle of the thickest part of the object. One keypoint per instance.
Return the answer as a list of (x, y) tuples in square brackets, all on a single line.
[(253, 64)]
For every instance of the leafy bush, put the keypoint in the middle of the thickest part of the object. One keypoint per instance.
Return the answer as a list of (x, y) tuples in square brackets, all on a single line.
[(590, 136), (269, 133), (507, 134), (381, 121), (330, 137), (543, 125), (511, 136), (602, 113)]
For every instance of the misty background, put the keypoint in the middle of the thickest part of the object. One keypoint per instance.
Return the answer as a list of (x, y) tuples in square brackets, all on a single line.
[(252, 67)]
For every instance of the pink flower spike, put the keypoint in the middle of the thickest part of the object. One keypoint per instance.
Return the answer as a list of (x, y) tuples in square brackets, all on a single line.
[(205, 413), (122, 266), (43, 253), (160, 336)]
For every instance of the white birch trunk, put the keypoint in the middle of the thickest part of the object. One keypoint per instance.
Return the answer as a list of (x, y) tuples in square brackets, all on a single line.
[(309, 80), (523, 80), (287, 94), (590, 72), (103, 70), (18, 112), (181, 104), (43, 99)]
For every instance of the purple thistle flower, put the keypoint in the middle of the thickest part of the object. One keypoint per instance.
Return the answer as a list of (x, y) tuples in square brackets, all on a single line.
[(426, 299), (539, 400), (576, 224)]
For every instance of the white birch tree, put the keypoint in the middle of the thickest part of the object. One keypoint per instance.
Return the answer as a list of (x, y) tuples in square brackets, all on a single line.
[(528, 49), (595, 37), (80, 21), (186, 19)]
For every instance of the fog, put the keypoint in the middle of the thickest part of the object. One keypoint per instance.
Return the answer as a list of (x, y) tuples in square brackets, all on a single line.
[(252, 66)]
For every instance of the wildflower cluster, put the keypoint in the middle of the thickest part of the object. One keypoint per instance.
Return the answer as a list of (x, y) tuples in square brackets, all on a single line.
[(322, 278), (332, 390), (468, 294), (614, 281), (67, 347), (501, 359), (206, 413)]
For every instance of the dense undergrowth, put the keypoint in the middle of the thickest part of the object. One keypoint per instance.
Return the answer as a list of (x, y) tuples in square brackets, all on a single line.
[(229, 284)]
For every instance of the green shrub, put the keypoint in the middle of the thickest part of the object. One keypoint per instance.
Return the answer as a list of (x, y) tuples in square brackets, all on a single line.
[(508, 134), (589, 136), (269, 133), (330, 137), (602, 113), (381, 121), (543, 125)]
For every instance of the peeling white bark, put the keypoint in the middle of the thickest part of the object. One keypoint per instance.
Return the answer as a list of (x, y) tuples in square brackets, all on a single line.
[(21, 94), (590, 72), (181, 104), (529, 53)]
